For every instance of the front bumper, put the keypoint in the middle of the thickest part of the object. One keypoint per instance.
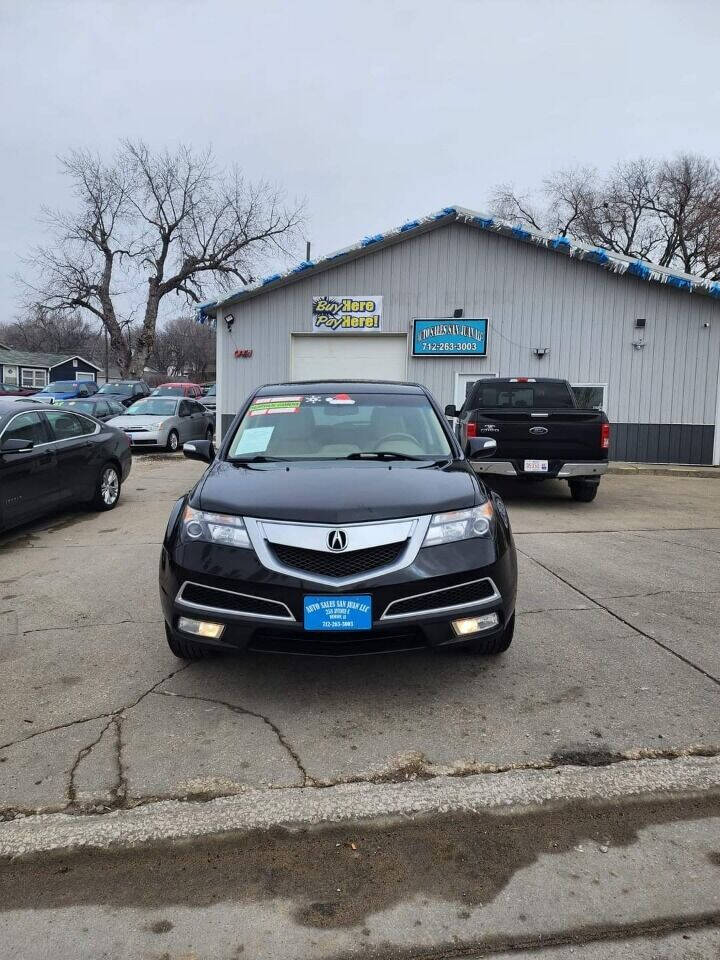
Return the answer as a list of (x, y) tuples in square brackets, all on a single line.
[(557, 469), (147, 438), (270, 610)]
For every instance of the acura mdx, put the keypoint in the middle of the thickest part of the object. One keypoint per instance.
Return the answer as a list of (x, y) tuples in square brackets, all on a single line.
[(338, 518)]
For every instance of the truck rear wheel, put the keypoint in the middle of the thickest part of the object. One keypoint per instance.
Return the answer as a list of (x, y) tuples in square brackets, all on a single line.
[(583, 490)]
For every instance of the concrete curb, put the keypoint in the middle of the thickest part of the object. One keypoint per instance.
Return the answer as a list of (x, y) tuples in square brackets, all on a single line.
[(662, 470), (264, 809)]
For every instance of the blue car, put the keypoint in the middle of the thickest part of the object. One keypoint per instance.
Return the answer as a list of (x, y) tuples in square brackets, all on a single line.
[(66, 390)]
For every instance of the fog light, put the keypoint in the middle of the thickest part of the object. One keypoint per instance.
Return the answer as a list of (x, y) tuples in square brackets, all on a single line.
[(475, 624), (201, 628)]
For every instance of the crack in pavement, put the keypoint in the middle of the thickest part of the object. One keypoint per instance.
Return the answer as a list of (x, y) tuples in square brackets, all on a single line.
[(86, 626), (82, 754), (677, 543), (616, 616), (99, 716), (282, 740)]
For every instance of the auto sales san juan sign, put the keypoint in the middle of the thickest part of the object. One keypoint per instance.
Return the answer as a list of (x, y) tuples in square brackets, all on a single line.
[(347, 314), (450, 338)]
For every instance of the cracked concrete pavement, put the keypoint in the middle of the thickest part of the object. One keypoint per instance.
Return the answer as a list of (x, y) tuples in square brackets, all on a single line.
[(565, 793), (616, 656)]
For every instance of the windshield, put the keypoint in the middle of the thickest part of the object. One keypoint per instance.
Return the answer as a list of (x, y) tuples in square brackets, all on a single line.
[(210, 392), (119, 387), (61, 386), (169, 392), (83, 405), (152, 407), (518, 396), (338, 426)]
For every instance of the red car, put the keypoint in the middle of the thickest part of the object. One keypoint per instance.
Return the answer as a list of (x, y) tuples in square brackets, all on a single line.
[(10, 390), (178, 390)]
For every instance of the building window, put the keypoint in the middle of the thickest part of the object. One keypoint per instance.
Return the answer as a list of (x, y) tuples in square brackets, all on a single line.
[(33, 377), (590, 396), (10, 375)]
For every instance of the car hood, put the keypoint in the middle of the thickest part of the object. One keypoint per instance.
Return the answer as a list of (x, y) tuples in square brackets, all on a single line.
[(138, 421), (352, 492)]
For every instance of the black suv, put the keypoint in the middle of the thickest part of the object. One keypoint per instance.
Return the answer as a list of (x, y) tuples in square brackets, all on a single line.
[(126, 391), (338, 518)]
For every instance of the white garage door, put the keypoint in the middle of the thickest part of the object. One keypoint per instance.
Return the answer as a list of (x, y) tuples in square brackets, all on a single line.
[(349, 357)]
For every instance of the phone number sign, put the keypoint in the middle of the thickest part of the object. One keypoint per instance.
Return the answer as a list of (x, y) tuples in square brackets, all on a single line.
[(450, 338)]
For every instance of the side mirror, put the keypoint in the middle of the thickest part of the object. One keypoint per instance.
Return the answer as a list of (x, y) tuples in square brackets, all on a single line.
[(480, 447), (451, 410), (16, 446), (200, 450), (83, 393)]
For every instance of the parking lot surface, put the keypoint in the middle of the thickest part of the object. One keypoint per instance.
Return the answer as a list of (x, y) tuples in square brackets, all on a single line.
[(610, 690), (615, 654)]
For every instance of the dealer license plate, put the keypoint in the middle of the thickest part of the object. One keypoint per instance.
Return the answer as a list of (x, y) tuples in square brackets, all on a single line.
[(536, 466), (326, 612)]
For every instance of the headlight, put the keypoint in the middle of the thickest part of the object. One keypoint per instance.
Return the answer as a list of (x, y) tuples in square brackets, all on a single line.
[(460, 525), (215, 528)]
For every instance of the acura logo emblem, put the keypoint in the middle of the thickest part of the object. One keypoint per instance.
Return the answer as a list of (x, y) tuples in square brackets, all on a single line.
[(337, 540), (538, 431)]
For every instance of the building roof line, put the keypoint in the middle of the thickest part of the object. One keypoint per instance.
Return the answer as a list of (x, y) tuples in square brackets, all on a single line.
[(617, 263)]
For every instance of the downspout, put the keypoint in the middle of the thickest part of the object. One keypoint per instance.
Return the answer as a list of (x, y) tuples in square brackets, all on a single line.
[(716, 435), (220, 332)]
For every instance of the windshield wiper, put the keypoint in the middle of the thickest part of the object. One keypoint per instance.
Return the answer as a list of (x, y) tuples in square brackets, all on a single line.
[(258, 458), (381, 455)]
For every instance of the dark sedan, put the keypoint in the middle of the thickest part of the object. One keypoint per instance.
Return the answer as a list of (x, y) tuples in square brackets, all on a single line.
[(52, 457), (338, 518), (102, 408), (126, 391)]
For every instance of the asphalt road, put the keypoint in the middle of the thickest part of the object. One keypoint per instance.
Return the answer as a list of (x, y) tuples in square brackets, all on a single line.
[(616, 656)]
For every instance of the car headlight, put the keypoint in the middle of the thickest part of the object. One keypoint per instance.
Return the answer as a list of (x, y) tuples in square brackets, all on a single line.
[(215, 528), (460, 525)]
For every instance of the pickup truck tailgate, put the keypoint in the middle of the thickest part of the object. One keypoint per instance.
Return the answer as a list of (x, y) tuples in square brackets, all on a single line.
[(565, 434)]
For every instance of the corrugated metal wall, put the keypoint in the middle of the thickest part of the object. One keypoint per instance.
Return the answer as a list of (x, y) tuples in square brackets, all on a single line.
[(532, 297)]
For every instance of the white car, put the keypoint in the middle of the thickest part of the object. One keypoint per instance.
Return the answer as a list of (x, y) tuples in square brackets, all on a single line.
[(165, 422)]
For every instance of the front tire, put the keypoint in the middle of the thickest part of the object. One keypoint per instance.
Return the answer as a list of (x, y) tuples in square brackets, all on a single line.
[(583, 491), (107, 488), (186, 649), (173, 442), (492, 645)]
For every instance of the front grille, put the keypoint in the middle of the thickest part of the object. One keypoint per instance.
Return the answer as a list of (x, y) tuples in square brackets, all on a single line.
[(448, 597), (237, 602), (337, 564)]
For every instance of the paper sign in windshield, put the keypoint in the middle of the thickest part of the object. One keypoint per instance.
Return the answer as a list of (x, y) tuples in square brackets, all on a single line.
[(264, 405), (253, 440)]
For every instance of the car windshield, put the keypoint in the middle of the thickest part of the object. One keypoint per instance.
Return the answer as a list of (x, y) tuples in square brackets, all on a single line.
[(120, 387), (61, 386), (340, 426), (210, 392), (169, 392), (152, 407), (83, 405)]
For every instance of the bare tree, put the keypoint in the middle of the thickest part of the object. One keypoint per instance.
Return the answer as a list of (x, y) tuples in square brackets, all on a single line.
[(149, 225), (665, 211), (184, 348), (49, 332)]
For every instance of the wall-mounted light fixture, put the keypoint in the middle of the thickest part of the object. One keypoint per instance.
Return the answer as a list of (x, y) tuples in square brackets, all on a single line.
[(640, 323), (229, 321), (541, 351), (457, 313)]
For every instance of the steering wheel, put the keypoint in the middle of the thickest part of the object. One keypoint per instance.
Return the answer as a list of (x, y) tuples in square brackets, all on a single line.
[(380, 445)]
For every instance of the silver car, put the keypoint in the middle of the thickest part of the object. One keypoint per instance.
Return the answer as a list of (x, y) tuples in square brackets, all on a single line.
[(165, 422)]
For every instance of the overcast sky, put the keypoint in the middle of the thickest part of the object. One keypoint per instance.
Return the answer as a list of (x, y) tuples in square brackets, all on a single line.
[(374, 111)]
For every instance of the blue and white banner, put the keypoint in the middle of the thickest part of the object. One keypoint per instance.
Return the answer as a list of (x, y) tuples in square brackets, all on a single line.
[(450, 338)]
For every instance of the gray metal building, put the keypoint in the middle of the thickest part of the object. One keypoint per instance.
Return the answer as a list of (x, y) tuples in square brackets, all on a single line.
[(639, 340)]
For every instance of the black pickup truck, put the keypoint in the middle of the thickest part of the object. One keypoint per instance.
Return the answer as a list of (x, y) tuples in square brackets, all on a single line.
[(540, 431)]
